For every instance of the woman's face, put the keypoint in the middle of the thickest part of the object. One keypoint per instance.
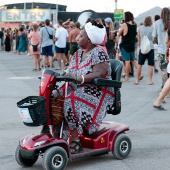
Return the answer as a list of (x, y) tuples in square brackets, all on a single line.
[(82, 39)]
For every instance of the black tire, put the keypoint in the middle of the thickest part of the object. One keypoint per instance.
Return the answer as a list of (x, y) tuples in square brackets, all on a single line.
[(23, 161), (55, 158), (122, 146)]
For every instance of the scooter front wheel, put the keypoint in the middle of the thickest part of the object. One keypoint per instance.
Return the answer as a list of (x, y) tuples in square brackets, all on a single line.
[(23, 161), (55, 158), (122, 146)]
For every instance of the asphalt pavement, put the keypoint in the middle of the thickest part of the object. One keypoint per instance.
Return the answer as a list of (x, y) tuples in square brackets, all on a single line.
[(149, 128)]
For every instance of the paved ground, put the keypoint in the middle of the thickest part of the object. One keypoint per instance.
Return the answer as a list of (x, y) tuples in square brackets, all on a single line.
[(149, 128)]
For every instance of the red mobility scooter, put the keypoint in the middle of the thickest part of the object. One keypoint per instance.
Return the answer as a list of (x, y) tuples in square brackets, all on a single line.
[(36, 111)]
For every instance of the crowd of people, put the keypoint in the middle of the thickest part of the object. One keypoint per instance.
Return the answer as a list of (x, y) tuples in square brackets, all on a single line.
[(43, 42), (14, 40), (122, 41)]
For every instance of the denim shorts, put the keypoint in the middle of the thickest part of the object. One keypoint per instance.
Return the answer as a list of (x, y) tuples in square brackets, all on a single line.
[(127, 56), (149, 56), (47, 51)]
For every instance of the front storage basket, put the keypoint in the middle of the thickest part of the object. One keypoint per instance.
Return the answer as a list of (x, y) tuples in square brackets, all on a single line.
[(32, 110)]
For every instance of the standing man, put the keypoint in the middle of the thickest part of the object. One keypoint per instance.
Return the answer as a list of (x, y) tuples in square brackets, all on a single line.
[(1, 37), (47, 36), (60, 45), (73, 34), (159, 32)]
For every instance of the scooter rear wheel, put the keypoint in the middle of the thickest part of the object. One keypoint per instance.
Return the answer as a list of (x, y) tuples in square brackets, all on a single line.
[(122, 146), (23, 161), (55, 158)]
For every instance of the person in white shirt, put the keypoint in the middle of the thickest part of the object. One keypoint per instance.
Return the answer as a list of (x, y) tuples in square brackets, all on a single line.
[(60, 45), (159, 32)]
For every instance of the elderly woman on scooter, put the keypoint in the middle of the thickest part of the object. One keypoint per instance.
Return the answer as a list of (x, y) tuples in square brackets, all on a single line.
[(86, 104)]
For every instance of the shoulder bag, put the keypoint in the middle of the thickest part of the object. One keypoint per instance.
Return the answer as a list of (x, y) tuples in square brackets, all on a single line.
[(50, 36)]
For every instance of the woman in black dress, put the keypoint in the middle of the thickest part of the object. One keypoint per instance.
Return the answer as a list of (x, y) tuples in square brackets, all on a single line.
[(7, 41)]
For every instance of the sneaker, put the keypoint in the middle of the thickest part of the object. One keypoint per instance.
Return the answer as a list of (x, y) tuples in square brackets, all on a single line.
[(67, 64), (156, 70), (45, 130)]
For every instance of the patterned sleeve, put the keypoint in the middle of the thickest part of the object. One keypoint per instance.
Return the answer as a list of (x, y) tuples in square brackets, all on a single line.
[(99, 56)]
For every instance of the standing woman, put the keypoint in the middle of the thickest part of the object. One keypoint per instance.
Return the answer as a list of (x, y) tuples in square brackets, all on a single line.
[(35, 39), (166, 88), (128, 31), (17, 39), (110, 36), (7, 40), (22, 47), (143, 30)]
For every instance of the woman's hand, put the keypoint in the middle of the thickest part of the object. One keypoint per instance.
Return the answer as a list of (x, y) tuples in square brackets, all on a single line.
[(70, 75)]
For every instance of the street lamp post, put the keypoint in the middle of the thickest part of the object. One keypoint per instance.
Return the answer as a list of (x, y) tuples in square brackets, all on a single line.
[(115, 4), (56, 11)]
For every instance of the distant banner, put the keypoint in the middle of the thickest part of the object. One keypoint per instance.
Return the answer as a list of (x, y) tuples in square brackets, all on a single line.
[(25, 15)]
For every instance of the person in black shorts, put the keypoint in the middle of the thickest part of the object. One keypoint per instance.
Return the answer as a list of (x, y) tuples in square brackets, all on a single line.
[(144, 30)]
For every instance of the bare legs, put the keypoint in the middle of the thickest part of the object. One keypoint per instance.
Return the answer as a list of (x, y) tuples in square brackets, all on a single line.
[(150, 74), (61, 56), (44, 60), (139, 68), (127, 68), (48, 60), (138, 74), (164, 77), (163, 93), (36, 58)]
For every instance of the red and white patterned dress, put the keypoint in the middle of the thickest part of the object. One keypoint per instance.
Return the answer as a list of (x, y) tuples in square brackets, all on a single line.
[(86, 106)]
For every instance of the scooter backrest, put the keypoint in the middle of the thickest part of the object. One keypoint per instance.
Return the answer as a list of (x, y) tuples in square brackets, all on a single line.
[(116, 67)]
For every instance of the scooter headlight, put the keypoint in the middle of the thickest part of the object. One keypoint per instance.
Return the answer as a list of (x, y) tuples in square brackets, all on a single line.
[(39, 143), (23, 141)]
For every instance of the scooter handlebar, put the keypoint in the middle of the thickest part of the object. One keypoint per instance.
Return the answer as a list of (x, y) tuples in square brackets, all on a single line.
[(65, 78)]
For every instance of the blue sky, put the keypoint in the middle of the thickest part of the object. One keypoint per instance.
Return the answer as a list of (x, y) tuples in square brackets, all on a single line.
[(135, 6)]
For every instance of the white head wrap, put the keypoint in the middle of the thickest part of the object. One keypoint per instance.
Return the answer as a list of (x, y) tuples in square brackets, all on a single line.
[(95, 34)]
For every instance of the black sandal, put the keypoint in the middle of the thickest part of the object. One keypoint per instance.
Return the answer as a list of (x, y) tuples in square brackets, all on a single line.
[(160, 107), (76, 148)]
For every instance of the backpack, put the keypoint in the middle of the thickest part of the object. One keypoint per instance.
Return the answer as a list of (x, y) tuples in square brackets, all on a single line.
[(145, 44)]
